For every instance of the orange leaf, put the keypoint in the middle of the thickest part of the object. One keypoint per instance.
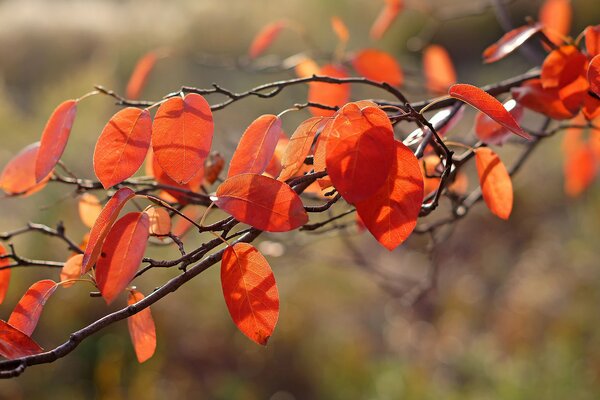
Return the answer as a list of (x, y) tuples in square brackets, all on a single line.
[(487, 104), (161, 177), (122, 254), (18, 176), (329, 94), (580, 170), (4, 274), (182, 135), (16, 344), (495, 182), (141, 329), (71, 270), (508, 43), (306, 67), (378, 66), (159, 220), (54, 138), (439, 69), (250, 291), (562, 66), (182, 225), (264, 38), (274, 168), (122, 146), (592, 40), (89, 209), (256, 147), (360, 151), (591, 107), (213, 166), (385, 18), (491, 132), (140, 74), (533, 96), (555, 15), (299, 147), (340, 29), (262, 202), (593, 75), (391, 213), (27, 312), (102, 226)]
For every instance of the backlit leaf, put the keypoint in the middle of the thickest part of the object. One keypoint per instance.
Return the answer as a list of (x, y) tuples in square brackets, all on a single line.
[(306, 67), (340, 29), (495, 182), (491, 132), (256, 147), (212, 167), (439, 69), (378, 65), (299, 147), (329, 94), (102, 226), (262, 202), (71, 270), (27, 312), (194, 185), (591, 107), (533, 96), (122, 254), (54, 138), (264, 38), (510, 42), (593, 75), (360, 151), (556, 16), (159, 220), (16, 344), (139, 76), (487, 104), (250, 291), (89, 209), (385, 18), (592, 40), (4, 274), (182, 135), (581, 168), (181, 225), (141, 329), (562, 66), (391, 213), (122, 146), (18, 176)]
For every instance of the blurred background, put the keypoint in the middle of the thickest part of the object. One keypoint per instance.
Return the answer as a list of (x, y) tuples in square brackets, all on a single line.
[(515, 312)]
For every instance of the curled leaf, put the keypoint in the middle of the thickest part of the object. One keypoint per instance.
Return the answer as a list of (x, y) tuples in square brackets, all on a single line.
[(491, 132), (533, 96), (511, 41), (141, 329)]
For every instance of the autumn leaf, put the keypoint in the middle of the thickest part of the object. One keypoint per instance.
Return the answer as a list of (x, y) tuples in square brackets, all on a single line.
[(182, 135), (562, 66), (580, 169), (27, 312), (194, 185), (122, 254), (274, 168), (533, 96), (71, 270), (378, 65), (487, 104), (54, 138), (264, 38), (555, 16), (385, 18), (18, 176), (306, 67), (256, 147), (592, 40), (89, 209), (491, 132), (4, 273), (122, 146), (181, 225), (16, 344), (340, 29), (213, 166), (139, 76), (360, 151), (495, 182), (299, 147), (250, 291), (262, 202), (593, 75), (511, 41), (102, 226), (391, 213), (159, 221), (329, 94), (141, 329), (439, 69)]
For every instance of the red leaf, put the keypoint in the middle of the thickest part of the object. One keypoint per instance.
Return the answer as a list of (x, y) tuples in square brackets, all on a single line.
[(340, 29), (122, 254), (593, 75), (264, 38), (533, 96), (26, 314), (274, 168), (580, 170), (508, 43), (391, 213), (299, 147), (182, 135), (329, 94), (182, 225), (487, 104), (54, 138), (140, 74), (491, 132), (4, 274), (360, 151), (104, 222), (256, 147), (262, 202), (562, 66), (592, 40), (213, 166), (591, 107), (378, 66), (141, 329), (16, 344), (439, 69), (161, 177), (555, 15), (250, 291), (495, 182), (18, 176), (122, 146), (71, 270), (385, 18)]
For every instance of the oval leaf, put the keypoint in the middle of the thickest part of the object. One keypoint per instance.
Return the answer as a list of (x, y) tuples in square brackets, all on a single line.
[(487, 104), (491, 132), (160, 221), (122, 254), (262, 202), (141, 329), (378, 66), (329, 94), (256, 147), (562, 66), (16, 344), (592, 40), (102, 226), (340, 29), (182, 135), (264, 38), (89, 209), (140, 74), (439, 69), (250, 291), (299, 147), (556, 16), (580, 170), (385, 18), (71, 270), (391, 213), (180, 196), (495, 182), (593, 75), (54, 138), (4, 274), (122, 146), (27, 312), (533, 96), (18, 176), (508, 43)]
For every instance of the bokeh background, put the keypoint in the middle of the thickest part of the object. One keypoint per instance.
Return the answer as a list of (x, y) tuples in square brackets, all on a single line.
[(515, 313)]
